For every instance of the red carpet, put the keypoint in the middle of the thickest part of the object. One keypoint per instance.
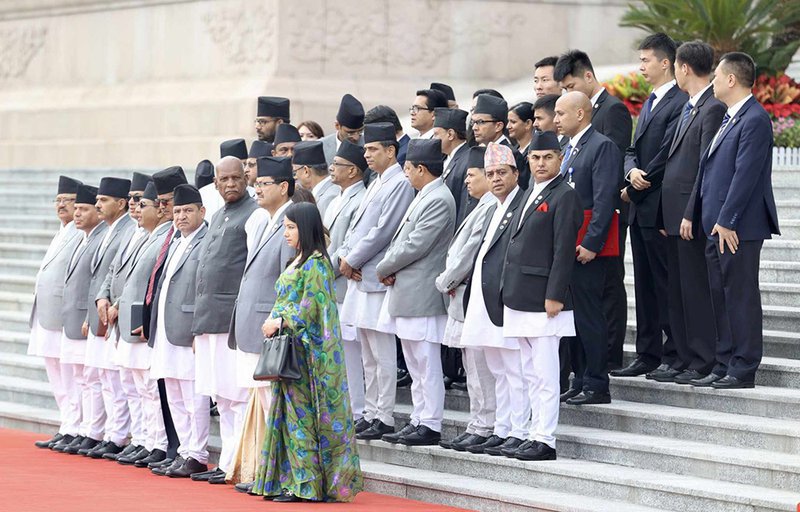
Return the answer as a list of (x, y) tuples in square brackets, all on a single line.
[(36, 480)]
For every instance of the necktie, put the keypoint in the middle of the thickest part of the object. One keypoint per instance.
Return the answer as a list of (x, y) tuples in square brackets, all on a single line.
[(162, 254), (567, 155), (725, 120), (647, 107), (687, 109)]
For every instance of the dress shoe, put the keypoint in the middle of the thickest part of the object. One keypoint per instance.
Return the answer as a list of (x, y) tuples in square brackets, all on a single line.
[(162, 470), (361, 425), (706, 381), (636, 368), (129, 450), (394, 437), (189, 467), (536, 451), (423, 436), (403, 378), (590, 397), (63, 443), (212, 409), (460, 386), (375, 431), (667, 375), (165, 463), (63, 447), (218, 479), (448, 443), (471, 440), (489, 443), (686, 376), (448, 382), (245, 488), (50, 442), (509, 450), (511, 443), (205, 475), (571, 392), (731, 382), (155, 457), (287, 497), (88, 444), (109, 447), (661, 368), (131, 459)]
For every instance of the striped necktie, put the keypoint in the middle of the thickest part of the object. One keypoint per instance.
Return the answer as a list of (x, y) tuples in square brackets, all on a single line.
[(162, 254)]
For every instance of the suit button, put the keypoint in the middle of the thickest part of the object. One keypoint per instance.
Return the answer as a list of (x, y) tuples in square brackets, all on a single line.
[(512, 241)]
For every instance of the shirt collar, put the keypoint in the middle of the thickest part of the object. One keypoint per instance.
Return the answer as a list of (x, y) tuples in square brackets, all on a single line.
[(573, 141), (736, 107), (488, 197), (509, 198), (188, 238), (663, 89), (390, 172), (426, 135), (541, 186), (455, 150), (353, 189), (597, 97), (694, 99), (282, 208), (316, 188)]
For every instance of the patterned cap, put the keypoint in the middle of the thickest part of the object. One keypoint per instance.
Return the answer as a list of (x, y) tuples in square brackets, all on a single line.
[(498, 154)]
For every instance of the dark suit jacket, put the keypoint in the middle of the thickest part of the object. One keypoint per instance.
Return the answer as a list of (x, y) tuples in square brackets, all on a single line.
[(683, 159), (651, 143), (454, 177), (493, 263), (541, 251), (734, 182), (401, 152), (611, 118), (595, 172)]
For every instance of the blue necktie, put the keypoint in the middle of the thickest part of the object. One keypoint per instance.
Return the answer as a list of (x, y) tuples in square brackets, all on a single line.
[(647, 107), (725, 120), (687, 109), (567, 155)]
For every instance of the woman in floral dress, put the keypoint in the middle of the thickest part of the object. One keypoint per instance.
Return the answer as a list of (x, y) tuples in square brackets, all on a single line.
[(309, 450)]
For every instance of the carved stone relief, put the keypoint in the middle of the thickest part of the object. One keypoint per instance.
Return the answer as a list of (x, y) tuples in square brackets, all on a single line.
[(18, 47), (244, 32)]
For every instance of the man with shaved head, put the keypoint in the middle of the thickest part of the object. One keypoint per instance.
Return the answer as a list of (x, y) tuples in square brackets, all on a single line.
[(591, 166)]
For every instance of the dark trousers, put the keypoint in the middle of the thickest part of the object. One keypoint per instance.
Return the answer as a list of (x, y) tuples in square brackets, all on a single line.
[(690, 310), (589, 349), (736, 299), (650, 285), (615, 300), (172, 435)]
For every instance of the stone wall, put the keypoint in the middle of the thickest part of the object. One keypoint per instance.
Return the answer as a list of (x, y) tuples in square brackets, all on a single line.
[(150, 83)]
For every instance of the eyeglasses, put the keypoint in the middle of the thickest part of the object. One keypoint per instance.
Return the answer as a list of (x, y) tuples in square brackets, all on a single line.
[(481, 122), (142, 204), (264, 185), (339, 164), (61, 200), (416, 108), (164, 202), (261, 121), (134, 198)]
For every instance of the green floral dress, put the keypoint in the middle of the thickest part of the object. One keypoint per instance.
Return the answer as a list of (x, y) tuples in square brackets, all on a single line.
[(309, 447)]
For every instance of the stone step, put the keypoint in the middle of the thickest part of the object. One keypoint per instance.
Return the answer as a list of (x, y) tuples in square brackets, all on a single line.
[(474, 493), (26, 236), (790, 228), (15, 321), (49, 222), (634, 485), (772, 293), (22, 365), (785, 177), (770, 271), (17, 290), (19, 267), (20, 251), (35, 393), (13, 342)]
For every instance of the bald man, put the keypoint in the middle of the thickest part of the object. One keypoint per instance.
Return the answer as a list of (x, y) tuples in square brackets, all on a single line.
[(591, 166)]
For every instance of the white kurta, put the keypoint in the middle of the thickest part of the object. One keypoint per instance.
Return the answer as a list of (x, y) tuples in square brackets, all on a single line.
[(134, 356), (524, 324), (361, 309), (100, 352), (72, 351), (421, 328), (44, 342)]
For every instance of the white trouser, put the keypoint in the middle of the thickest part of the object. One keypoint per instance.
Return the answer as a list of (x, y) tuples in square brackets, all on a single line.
[(424, 362), (155, 434), (57, 379), (379, 355), (118, 417), (480, 386), (94, 411), (72, 414), (513, 413), (135, 406), (541, 370), (355, 376), (191, 416), (265, 397), (231, 421)]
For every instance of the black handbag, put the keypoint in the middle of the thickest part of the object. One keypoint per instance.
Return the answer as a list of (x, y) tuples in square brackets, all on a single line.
[(278, 360)]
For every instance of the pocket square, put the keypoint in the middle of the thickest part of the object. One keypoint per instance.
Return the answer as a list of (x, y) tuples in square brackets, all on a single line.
[(542, 207)]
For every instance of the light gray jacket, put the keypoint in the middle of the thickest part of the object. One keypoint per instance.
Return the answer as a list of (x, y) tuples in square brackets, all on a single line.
[(47, 304), (327, 192), (76, 300), (114, 282), (418, 252), (374, 225), (340, 225)]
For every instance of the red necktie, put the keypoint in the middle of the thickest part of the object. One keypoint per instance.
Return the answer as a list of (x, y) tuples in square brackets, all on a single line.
[(162, 255)]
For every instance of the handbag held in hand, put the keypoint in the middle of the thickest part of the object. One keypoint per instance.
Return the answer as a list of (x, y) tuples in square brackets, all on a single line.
[(278, 360)]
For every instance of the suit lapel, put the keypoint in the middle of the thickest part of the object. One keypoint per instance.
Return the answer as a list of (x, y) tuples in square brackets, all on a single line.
[(65, 239), (508, 215), (259, 236), (541, 198), (731, 125), (422, 195), (195, 241), (694, 115), (577, 154), (661, 103)]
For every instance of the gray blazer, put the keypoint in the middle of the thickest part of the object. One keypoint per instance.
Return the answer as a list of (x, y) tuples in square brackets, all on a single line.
[(374, 225), (114, 282), (329, 146), (76, 300), (257, 294), (101, 263), (326, 193), (419, 251), (461, 257), (136, 278), (179, 309), (47, 303), (340, 225)]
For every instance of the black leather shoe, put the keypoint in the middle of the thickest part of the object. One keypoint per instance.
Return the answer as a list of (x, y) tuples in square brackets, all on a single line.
[(394, 437), (287, 497), (189, 467), (448, 382), (509, 449), (205, 475), (88, 444), (161, 470), (156, 457), (590, 397), (511, 443), (131, 459), (129, 450), (706, 381), (448, 443), (244, 487), (361, 425), (50, 442), (536, 451), (731, 382), (661, 368), (403, 378), (109, 447), (489, 443), (636, 368), (423, 436), (375, 431), (65, 441), (667, 375), (471, 440), (460, 386), (687, 376), (218, 479), (571, 392)]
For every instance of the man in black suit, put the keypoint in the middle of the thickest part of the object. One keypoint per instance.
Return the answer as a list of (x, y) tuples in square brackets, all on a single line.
[(689, 298), (489, 118), (610, 117), (647, 156), (734, 202), (537, 307), (450, 126), (591, 165)]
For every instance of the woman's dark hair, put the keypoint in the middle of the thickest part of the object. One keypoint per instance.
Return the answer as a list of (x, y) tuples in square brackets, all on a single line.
[(313, 127), (524, 111), (309, 228)]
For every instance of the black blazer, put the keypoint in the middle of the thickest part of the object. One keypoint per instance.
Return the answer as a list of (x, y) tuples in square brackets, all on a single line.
[(454, 177), (611, 118), (595, 172), (651, 143), (541, 251), (683, 160), (492, 265)]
